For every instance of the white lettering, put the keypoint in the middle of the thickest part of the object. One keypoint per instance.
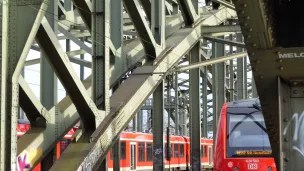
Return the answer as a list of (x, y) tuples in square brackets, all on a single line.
[(291, 55)]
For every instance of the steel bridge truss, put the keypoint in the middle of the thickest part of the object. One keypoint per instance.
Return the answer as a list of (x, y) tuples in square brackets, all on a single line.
[(158, 37)]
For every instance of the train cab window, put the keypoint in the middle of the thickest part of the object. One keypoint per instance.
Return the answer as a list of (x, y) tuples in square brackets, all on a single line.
[(141, 151), (175, 150), (149, 152), (181, 150), (246, 133), (122, 150)]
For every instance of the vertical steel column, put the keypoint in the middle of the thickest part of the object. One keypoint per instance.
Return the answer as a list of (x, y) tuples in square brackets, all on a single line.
[(81, 66), (221, 77), (21, 116), (205, 110), (48, 81), (158, 128), (134, 123), (117, 33), (291, 117), (100, 60), (182, 115), (253, 87), (13, 16), (139, 121), (240, 70), (116, 155), (195, 110), (158, 23), (231, 72), (176, 103), (67, 7), (245, 78), (214, 91)]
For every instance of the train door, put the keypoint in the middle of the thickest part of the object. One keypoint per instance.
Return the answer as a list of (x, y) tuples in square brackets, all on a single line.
[(210, 154), (132, 155)]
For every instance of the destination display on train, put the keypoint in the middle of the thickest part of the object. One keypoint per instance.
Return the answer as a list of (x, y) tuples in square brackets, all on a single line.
[(240, 152)]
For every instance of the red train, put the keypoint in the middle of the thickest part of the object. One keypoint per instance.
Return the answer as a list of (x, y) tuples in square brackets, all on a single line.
[(137, 154), (242, 142)]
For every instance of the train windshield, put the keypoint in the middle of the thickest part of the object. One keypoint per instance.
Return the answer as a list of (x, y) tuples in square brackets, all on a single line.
[(246, 133)]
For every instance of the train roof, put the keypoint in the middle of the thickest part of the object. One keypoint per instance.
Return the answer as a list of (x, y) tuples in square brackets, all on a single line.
[(244, 103)]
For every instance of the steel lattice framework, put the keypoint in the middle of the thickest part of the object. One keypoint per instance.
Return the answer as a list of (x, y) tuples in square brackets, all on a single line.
[(138, 48)]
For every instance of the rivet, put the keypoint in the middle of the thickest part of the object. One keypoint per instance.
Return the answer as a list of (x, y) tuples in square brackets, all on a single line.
[(250, 29), (285, 119), (244, 5), (280, 60), (295, 83), (256, 69), (286, 159), (242, 11), (249, 36), (247, 17), (261, 77), (252, 53), (285, 139), (245, 24), (258, 61), (281, 68), (295, 91), (254, 45)]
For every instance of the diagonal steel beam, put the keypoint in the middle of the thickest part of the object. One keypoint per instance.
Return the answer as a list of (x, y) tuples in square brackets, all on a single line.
[(142, 28), (211, 61), (188, 11), (31, 105), (146, 4), (84, 9), (70, 36), (48, 42), (223, 41), (219, 29), (225, 3)]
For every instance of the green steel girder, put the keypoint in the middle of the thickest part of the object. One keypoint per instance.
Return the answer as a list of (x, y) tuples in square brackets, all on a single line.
[(135, 90), (141, 25), (190, 14), (15, 46), (133, 52), (59, 61)]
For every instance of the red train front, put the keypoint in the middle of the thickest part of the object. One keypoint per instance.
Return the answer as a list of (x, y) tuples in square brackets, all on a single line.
[(242, 141)]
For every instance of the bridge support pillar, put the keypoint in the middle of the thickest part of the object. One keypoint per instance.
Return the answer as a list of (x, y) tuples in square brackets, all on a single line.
[(291, 120), (195, 112), (158, 128)]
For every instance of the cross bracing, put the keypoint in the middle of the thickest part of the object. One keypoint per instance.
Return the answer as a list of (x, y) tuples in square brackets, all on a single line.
[(133, 49)]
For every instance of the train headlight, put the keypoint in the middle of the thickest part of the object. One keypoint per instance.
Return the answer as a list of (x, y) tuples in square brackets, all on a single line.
[(269, 168), (236, 168)]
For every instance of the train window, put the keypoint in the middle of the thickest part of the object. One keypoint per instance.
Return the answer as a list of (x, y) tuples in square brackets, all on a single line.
[(246, 133), (141, 151), (149, 152), (204, 151), (122, 150), (181, 149), (175, 150)]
